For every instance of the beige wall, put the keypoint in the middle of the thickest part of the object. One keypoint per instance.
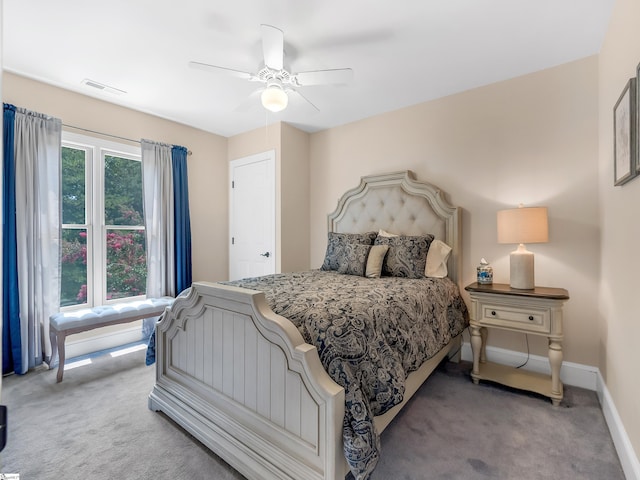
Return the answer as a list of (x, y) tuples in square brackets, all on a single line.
[(255, 141), (207, 166), (295, 199), (620, 261), (530, 140)]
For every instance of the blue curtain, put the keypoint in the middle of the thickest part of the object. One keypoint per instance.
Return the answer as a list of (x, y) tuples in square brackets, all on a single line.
[(11, 339), (182, 221)]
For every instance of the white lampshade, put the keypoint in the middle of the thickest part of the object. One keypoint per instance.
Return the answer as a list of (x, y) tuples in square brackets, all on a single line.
[(523, 225), (520, 226), (274, 98)]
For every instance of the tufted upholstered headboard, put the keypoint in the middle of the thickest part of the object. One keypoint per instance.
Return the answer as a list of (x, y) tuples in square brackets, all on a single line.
[(400, 204)]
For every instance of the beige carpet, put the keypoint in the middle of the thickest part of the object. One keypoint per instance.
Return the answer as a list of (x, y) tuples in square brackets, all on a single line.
[(95, 425)]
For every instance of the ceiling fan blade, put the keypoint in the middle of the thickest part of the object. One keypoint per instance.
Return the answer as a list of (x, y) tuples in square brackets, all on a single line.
[(252, 102), (222, 70), (338, 76), (273, 47), (296, 97)]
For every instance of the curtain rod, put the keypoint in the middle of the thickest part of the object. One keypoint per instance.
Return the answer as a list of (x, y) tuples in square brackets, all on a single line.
[(107, 134)]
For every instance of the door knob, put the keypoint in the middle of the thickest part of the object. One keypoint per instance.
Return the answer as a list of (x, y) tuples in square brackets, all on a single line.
[(265, 254)]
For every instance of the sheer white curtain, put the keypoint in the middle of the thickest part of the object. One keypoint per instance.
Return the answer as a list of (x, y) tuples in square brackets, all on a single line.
[(37, 167), (157, 179)]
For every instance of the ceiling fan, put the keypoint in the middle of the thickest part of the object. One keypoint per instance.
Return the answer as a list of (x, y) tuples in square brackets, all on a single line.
[(279, 82)]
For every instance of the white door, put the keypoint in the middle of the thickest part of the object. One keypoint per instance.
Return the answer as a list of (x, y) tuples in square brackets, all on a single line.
[(252, 216)]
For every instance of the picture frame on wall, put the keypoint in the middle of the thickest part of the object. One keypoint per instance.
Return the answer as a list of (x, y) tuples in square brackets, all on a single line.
[(625, 161), (637, 129)]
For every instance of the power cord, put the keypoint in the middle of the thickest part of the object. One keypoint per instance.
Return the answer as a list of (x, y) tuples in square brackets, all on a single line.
[(527, 360)]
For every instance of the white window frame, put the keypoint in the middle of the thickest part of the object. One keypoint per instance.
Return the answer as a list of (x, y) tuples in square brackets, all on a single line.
[(96, 149)]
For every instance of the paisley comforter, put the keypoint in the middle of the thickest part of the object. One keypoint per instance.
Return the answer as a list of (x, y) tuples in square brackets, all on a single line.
[(370, 334)]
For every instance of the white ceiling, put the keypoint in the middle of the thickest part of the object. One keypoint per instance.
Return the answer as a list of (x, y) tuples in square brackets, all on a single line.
[(402, 52)]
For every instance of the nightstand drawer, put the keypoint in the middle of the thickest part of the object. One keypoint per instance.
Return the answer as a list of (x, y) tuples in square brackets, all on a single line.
[(526, 319)]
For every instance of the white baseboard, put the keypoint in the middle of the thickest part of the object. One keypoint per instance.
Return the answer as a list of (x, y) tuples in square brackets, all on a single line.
[(577, 375), (102, 342), (626, 454)]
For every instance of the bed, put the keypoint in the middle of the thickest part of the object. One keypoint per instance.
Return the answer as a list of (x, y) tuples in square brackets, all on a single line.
[(243, 380)]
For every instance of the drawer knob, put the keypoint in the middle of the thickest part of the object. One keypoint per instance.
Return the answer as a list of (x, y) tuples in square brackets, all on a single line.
[(493, 312), (531, 317)]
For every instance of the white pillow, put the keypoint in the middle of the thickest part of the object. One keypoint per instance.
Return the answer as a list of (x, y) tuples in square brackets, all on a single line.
[(437, 257), (383, 233)]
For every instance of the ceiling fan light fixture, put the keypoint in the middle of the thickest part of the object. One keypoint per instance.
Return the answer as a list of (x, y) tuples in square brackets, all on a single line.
[(274, 98)]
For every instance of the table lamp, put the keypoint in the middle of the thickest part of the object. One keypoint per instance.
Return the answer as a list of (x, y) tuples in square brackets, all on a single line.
[(522, 225)]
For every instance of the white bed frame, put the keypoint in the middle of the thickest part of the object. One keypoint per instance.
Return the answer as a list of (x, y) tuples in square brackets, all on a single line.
[(241, 379)]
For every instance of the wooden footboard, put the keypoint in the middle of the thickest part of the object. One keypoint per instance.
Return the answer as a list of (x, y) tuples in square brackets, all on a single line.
[(242, 380)]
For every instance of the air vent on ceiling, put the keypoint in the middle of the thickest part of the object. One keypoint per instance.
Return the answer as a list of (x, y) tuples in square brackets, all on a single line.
[(102, 87)]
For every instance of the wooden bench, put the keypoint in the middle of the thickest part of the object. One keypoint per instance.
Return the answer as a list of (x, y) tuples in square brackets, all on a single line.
[(67, 323)]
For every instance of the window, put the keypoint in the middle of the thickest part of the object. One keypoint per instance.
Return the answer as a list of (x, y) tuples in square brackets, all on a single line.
[(103, 254)]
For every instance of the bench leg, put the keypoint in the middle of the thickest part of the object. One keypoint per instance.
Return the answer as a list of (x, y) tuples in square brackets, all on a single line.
[(60, 342), (54, 348)]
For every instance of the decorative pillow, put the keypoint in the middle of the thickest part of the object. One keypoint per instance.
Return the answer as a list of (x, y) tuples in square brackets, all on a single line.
[(375, 261), (354, 259), (437, 259), (407, 255), (336, 243)]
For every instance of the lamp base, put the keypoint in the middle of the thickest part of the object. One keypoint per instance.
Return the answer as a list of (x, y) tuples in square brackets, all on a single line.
[(522, 271)]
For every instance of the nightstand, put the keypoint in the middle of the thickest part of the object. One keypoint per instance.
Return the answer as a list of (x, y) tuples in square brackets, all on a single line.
[(536, 312)]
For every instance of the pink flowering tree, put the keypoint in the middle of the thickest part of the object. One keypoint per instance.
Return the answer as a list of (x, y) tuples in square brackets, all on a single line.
[(126, 264), (126, 273)]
